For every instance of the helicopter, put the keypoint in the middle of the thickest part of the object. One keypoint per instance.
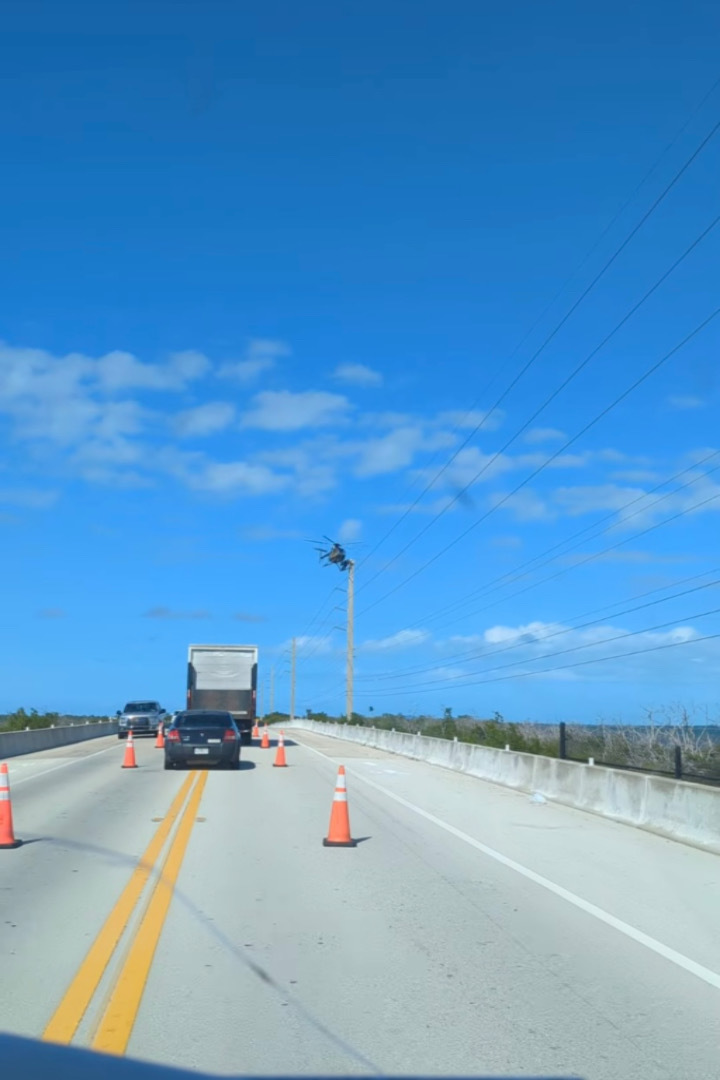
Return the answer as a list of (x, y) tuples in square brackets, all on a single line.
[(334, 555)]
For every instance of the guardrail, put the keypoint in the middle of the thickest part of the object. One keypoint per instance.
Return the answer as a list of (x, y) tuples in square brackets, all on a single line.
[(14, 743), (676, 809)]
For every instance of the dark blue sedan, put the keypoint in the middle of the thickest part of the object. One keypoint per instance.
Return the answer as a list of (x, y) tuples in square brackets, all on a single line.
[(202, 737)]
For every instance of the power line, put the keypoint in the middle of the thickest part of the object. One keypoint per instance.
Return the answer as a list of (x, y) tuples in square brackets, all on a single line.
[(455, 680), (570, 442), (600, 554), (317, 613), (489, 654), (566, 382), (696, 506), (590, 558), (678, 175), (514, 576)]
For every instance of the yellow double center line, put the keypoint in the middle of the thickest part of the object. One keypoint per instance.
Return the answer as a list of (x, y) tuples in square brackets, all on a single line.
[(117, 1022)]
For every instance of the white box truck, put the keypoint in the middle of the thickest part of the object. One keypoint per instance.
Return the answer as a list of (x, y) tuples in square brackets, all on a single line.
[(224, 677)]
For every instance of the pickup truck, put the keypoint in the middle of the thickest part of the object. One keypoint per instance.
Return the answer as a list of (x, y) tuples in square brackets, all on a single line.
[(140, 717)]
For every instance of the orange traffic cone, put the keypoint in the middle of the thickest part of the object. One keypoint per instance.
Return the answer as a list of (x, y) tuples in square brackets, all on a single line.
[(129, 761), (339, 831), (160, 741), (7, 835), (280, 762), (265, 744), (256, 731)]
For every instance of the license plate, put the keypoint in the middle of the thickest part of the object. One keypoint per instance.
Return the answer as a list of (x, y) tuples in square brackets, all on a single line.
[(201, 750)]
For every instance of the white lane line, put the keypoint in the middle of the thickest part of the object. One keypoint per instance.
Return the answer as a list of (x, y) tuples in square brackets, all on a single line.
[(46, 772), (712, 978)]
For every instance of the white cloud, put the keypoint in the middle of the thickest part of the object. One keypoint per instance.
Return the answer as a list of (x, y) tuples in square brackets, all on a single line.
[(123, 371), (396, 450), (312, 473), (261, 355), (118, 478), (644, 508), (378, 420), (637, 476), (33, 499), (546, 434), (390, 452), (531, 648), (574, 501), (474, 418), (308, 645), (472, 466), (283, 410), (350, 530), (246, 371), (435, 506), (64, 400), (205, 419), (114, 451), (403, 639), (238, 477), (524, 505), (357, 375), (685, 401), (527, 633)]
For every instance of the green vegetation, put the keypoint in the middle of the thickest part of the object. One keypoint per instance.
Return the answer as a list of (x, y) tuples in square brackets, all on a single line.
[(20, 720), (650, 745), (496, 732)]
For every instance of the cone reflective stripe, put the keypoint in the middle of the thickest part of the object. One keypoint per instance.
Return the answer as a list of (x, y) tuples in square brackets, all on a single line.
[(265, 744), (339, 831), (7, 833), (160, 741), (129, 760), (280, 762)]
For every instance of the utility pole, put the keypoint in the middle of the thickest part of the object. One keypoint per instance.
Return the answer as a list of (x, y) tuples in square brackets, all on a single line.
[(292, 682), (272, 689), (260, 698), (336, 556), (350, 638)]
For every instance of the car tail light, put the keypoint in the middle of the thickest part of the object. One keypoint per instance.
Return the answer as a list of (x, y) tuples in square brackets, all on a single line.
[(173, 735), (229, 735)]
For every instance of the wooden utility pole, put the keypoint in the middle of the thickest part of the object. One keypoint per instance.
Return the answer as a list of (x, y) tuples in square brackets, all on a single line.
[(292, 682), (350, 638), (272, 689)]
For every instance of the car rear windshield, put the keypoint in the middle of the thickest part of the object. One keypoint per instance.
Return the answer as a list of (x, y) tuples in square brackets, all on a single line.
[(203, 720), (141, 706)]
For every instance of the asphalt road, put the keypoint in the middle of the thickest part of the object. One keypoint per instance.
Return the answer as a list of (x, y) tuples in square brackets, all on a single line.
[(472, 931)]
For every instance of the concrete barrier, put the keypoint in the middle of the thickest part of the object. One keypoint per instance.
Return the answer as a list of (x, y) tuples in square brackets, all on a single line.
[(676, 809), (14, 743)]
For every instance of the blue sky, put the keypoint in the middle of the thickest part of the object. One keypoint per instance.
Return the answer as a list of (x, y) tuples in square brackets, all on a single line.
[(266, 268)]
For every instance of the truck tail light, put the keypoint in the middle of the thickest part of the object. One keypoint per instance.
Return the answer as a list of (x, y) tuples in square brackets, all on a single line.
[(173, 735)]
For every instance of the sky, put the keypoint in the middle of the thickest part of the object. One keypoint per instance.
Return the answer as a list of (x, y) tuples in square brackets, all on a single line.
[(436, 281)]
